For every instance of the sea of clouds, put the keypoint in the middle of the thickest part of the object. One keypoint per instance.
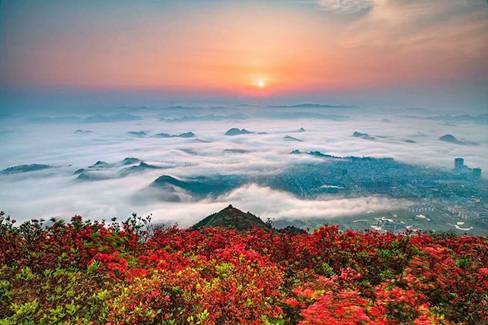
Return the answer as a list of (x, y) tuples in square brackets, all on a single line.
[(52, 139)]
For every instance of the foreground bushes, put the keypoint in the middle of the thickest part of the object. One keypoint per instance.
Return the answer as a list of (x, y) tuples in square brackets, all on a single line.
[(84, 272)]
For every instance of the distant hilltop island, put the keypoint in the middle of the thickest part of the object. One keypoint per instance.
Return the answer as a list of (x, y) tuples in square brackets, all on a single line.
[(181, 135), (362, 135), (449, 138), (24, 169), (237, 131), (141, 134)]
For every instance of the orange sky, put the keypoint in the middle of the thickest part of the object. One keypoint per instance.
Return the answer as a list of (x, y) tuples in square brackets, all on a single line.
[(289, 46)]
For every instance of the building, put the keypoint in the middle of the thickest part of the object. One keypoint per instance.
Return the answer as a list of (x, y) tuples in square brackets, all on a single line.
[(458, 163), (477, 173)]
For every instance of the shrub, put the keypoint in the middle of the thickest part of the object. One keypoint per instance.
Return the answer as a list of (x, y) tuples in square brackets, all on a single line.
[(94, 272)]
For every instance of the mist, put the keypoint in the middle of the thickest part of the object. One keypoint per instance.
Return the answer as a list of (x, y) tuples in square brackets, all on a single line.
[(78, 139)]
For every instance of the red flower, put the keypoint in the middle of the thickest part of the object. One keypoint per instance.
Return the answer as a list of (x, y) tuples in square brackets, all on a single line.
[(292, 302)]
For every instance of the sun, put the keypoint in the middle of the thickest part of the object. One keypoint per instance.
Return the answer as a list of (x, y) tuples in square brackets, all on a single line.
[(261, 83)]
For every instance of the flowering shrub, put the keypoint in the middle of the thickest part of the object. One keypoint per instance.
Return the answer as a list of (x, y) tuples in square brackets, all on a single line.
[(97, 272)]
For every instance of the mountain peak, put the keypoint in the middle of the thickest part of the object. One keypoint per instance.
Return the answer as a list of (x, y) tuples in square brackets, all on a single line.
[(231, 217)]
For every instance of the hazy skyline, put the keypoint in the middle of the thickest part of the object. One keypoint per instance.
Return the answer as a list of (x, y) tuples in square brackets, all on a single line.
[(432, 53)]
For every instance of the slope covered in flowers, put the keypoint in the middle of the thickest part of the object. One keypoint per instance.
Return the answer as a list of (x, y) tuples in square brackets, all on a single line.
[(83, 272)]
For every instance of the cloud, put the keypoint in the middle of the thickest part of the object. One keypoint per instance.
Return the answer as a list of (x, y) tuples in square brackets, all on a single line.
[(277, 205), (58, 194), (348, 7), (282, 205), (425, 23)]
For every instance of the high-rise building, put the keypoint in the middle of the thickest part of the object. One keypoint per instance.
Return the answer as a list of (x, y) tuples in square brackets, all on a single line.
[(458, 163), (477, 172)]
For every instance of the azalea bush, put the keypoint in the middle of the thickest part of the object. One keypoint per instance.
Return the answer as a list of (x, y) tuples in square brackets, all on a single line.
[(131, 272)]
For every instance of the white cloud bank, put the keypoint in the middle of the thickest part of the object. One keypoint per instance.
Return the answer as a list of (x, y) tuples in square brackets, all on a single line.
[(276, 205), (56, 193)]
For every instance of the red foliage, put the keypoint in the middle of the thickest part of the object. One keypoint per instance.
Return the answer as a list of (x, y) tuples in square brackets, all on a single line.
[(220, 275)]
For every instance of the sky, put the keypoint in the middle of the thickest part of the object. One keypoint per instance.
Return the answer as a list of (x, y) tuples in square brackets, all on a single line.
[(421, 52)]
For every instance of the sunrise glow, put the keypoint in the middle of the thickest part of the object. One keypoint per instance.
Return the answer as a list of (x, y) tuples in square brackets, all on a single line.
[(261, 83), (215, 48)]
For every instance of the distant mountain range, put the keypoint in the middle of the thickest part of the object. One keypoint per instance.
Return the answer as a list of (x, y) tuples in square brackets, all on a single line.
[(141, 134), (23, 169), (181, 135), (134, 165), (202, 186), (109, 118), (311, 105)]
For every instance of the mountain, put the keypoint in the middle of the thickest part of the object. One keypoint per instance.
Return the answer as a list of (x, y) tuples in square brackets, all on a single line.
[(91, 176), (137, 169), (103, 170), (186, 135), (312, 153), (137, 133), (201, 186), (240, 151), (207, 117), (290, 138), (23, 169), (163, 135), (237, 131), (130, 161), (311, 105), (80, 131), (181, 135), (122, 117), (452, 139), (100, 164), (362, 135), (231, 217), (79, 171)]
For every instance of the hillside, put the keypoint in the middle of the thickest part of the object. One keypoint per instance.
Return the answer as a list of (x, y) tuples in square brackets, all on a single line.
[(84, 272), (231, 217)]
